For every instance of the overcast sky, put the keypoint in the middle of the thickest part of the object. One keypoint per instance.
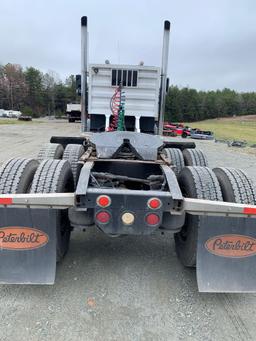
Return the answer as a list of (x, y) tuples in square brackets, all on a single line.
[(213, 42)]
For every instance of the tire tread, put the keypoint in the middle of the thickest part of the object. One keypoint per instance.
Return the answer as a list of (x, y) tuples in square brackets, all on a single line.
[(72, 153), (243, 189), (176, 158), (195, 157), (12, 172), (50, 151)]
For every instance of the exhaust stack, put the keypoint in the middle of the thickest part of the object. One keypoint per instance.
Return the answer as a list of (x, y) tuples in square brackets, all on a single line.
[(84, 57), (165, 55)]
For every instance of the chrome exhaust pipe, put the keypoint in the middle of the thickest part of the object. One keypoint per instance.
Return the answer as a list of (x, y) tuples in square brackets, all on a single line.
[(164, 67), (84, 61)]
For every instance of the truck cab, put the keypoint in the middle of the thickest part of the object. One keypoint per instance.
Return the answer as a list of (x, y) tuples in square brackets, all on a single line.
[(140, 94)]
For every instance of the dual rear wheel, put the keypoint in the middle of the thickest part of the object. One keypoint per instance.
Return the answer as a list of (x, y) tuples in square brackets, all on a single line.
[(58, 172), (55, 171), (55, 151), (220, 184), (188, 157), (21, 175), (55, 176)]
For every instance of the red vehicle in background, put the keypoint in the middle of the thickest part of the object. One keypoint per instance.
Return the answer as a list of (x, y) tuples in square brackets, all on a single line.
[(176, 129)]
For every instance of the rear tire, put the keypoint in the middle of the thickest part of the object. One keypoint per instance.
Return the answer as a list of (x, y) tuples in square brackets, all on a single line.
[(195, 157), (199, 183), (55, 176), (72, 154), (176, 159), (50, 151), (16, 175), (236, 186)]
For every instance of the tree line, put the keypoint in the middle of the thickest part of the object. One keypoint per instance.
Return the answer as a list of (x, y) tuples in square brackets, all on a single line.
[(39, 94), (33, 92), (188, 105)]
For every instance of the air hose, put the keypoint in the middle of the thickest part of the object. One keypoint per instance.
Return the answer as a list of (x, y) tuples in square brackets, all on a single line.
[(117, 108), (120, 123)]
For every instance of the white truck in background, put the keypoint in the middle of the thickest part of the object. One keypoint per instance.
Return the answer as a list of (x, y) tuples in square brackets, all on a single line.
[(73, 112)]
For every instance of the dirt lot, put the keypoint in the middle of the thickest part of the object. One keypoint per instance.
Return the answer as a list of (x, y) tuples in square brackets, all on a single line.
[(121, 288)]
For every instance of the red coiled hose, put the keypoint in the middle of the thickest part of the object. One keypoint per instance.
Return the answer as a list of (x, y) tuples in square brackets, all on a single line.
[(115, 107)]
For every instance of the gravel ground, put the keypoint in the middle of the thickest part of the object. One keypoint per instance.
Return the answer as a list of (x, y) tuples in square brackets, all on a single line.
[(129, 288)]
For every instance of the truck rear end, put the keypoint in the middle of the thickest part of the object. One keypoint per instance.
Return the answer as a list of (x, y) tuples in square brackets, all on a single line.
[(73, 112), (127, 183)]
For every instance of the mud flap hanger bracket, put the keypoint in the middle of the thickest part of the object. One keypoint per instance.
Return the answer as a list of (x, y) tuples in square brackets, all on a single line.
[(217, 208), (186, 205)]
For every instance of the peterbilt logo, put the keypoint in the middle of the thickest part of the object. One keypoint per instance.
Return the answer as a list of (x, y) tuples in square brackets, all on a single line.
[(231, 246), (22, 238)]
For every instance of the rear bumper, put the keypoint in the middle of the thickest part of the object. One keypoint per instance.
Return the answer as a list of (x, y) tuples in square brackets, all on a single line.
[(123, 202), (74, 114)]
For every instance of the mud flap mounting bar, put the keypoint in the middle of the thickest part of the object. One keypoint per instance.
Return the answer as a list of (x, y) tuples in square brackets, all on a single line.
[(189, 205), (217, 208), (48, 200)]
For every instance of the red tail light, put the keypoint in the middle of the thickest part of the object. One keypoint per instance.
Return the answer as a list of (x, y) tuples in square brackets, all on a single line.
[(152, 219), (154, 203), (103, 201), (103, 217)]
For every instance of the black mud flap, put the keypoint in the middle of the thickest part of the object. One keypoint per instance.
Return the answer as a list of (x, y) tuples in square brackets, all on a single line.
[(27, 246), (226, 255)]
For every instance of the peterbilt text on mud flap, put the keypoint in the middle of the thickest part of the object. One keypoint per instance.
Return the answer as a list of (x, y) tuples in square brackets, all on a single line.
[(127, 183)]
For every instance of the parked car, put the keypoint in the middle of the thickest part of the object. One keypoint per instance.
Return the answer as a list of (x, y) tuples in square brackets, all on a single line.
[(24, 118), (201, 134), (13, 113)]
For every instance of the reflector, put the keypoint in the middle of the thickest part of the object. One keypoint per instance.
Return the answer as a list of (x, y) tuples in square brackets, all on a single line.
[(249, 210), (5, 201)]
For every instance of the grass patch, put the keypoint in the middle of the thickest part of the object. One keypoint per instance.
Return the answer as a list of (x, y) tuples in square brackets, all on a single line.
[(229, 129), (10, 121), (14, 121)]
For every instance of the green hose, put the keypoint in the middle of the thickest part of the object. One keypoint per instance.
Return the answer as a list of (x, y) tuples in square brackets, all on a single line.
[(121, 114)]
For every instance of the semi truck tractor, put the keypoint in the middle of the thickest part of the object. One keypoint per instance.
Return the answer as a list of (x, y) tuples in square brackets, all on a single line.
[(121, 176)]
